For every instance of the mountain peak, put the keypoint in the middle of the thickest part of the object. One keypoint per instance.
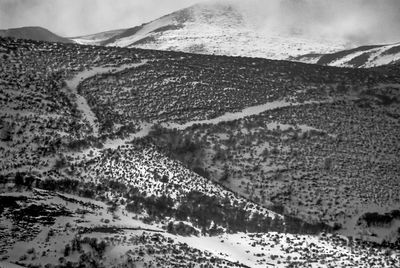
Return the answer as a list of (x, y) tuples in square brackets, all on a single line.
[(208, 13), (271, 30), (221, 27)]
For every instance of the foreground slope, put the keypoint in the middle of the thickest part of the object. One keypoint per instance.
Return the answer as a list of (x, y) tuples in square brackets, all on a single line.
[(72, 231), (104, 182)]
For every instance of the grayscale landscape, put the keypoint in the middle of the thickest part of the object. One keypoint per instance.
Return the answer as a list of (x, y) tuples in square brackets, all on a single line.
[(199, 134)]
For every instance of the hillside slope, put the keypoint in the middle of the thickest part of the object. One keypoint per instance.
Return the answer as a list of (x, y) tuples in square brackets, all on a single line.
[(360, 57), (115, 157)]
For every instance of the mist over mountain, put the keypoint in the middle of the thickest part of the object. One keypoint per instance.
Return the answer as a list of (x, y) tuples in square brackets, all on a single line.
[(358, 22), (277, 29), (221, 28), (303, 30)]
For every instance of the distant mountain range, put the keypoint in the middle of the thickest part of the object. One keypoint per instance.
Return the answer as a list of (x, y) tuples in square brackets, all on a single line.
[(225, 29), (34, 33)]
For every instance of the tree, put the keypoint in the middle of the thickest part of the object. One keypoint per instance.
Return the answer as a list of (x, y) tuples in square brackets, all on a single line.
[(265, 152), (67, 250), (60, 163), (328, 163), (101, 247), (19, 179), (170, 228), (225, 174), (220, 154), (5, 133), (113, 207)]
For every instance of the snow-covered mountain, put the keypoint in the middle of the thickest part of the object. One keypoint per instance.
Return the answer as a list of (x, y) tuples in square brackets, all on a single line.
[(34, 33), (216, 28), (228, 28), (361, 57)]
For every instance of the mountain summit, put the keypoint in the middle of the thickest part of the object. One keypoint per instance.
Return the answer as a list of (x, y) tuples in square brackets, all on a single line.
[(302, 30), (217, 28)]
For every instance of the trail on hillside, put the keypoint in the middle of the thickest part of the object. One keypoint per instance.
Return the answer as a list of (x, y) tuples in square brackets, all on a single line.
[(248, 111), (83, 106), (146, 127), (384, 86)]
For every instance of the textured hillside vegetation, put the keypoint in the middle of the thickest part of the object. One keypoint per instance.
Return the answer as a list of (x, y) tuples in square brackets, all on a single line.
[(115, 156)]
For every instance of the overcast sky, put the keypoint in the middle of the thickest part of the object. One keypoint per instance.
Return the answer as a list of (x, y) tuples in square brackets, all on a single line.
[(362, 21), (78, 17)]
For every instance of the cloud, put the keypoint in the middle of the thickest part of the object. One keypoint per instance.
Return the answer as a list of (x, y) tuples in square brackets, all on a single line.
[(78, 17), (355, 21)]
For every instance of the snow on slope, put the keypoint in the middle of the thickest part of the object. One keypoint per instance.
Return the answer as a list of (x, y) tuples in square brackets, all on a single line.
[(227, 29), (209, 39), (126, 237), (9, 265), (96, 39), (145, 31), (221, 29), (386, 55)]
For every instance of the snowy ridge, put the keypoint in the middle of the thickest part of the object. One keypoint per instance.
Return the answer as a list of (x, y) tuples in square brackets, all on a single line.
[(361, 57), (145, 31)]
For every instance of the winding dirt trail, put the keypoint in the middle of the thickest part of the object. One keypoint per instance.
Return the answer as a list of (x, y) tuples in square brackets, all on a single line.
[(72, 86), (249, 111), (146, 127)]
